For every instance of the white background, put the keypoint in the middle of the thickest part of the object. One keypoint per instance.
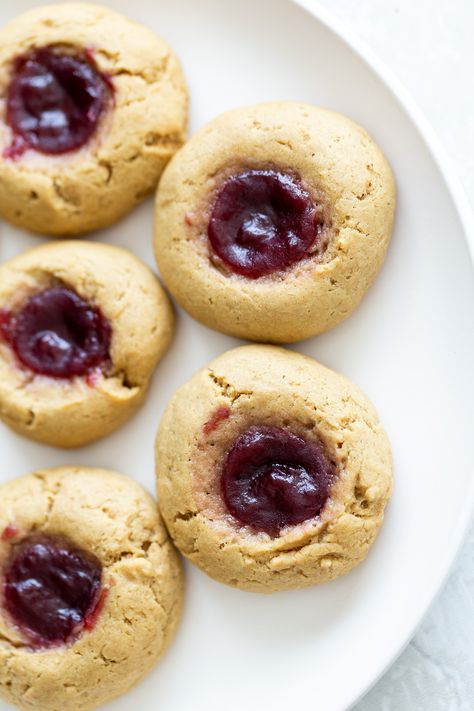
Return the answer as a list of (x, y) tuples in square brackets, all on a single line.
[(429, 45)]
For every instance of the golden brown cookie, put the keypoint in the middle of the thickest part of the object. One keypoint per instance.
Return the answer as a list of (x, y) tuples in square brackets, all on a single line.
[(273, 221), (82, 327), (273, 471), (92, 107), (92, 588)]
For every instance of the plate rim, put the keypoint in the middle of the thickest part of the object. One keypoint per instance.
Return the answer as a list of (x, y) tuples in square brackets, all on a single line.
[(458, 195)]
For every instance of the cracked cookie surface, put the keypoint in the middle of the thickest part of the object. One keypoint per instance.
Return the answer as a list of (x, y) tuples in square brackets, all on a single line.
[(345, 177), (69, 412), (265, 386), (143, 126), (116, 521)]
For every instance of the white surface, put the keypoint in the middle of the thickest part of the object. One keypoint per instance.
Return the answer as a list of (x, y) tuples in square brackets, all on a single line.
[(428, 45), (409, 345)]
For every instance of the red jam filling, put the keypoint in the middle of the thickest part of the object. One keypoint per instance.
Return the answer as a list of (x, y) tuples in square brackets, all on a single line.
[(263, 221), (9, 532), (51, 590), (59, 334), (55, 101), (273, 478), (218, 416)]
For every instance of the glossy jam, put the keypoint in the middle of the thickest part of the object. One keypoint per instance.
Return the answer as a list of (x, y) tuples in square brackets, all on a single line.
[(55, 101), (263, 221), (273, 478), (51, 590), (58, 334)]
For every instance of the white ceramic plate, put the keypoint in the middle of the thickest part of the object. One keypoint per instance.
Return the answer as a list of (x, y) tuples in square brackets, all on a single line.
[(410, 345)]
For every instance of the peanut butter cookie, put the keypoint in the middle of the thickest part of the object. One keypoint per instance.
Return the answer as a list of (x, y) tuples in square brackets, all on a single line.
[(273, 221), (273, 471), (82, 327), (91, 588), (92, 106)]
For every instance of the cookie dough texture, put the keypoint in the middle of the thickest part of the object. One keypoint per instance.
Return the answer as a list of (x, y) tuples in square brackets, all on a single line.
[(93, 187), (70, 413), (265, 385), (115, 519), (341, 167)]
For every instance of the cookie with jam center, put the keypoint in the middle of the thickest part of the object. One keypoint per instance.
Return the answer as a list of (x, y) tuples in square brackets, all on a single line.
[(91, 588), (93, 106), (273, 221), (273, 472), (82, 328)]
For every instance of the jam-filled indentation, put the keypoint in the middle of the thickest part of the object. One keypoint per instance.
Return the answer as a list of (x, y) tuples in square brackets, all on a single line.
[(59, 334), (264, 221), (55, 101), (273, 478), (51, 590)]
